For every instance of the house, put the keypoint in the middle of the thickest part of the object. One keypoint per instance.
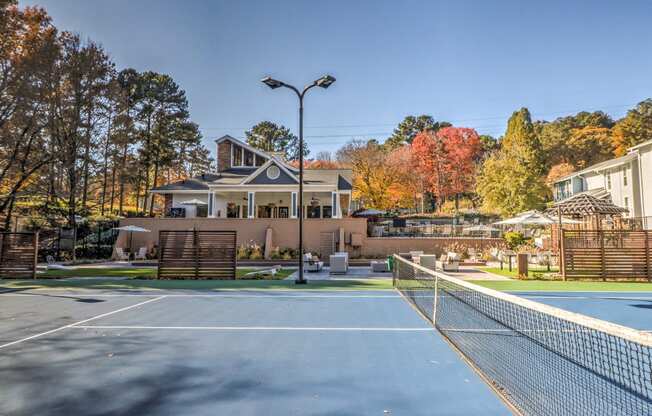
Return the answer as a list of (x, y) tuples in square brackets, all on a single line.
[(251, 183), (626, 180)]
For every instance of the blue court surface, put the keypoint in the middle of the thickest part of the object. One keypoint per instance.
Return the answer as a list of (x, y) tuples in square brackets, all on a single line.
[(632, 309), (229, 353)]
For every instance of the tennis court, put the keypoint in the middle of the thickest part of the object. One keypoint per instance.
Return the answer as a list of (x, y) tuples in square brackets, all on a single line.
[(95, 352), (632, 309)]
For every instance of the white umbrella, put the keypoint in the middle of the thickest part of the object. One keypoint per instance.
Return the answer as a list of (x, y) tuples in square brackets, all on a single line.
[(369, 213), (132, 229), (193, 201), (527, 218), (481, 227)]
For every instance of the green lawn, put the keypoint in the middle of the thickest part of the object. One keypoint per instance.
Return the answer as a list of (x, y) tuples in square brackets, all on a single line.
[(533, 271), (134, 273), (564, 286), (151, 284)]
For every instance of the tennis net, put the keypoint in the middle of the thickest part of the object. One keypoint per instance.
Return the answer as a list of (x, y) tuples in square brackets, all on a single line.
[(542, 360)]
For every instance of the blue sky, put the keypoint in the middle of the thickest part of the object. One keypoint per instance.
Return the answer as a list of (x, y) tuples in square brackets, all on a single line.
[(468, 62)]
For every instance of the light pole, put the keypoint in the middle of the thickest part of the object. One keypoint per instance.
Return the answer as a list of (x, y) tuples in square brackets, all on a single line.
[(323, 82)]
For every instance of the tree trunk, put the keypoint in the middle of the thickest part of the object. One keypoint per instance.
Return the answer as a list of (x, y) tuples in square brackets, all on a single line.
[(105, 168), (151, 201), (86, 163), (123, 178)]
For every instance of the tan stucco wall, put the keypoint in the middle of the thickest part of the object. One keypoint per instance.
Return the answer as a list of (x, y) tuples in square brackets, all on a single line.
[(284, 231), (285, 234)]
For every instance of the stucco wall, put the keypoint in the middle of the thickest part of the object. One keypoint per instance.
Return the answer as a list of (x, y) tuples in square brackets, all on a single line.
[(284, 234), (284, 231)]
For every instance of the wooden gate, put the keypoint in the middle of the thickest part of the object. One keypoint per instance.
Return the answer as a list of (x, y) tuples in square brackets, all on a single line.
[(196, 254), (607, 254), (18, 255)]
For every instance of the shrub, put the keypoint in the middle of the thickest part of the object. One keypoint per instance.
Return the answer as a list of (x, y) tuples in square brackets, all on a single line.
[(243, 252), (256, 252), (275, 253), (513, 239)]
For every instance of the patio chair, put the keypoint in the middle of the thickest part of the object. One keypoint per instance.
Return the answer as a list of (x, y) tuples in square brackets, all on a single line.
[(339, 263), (53, 265), (428, 261), (473, 255), (141, 254), (121, 255), (379, 266), (311, 263), (449, 262)]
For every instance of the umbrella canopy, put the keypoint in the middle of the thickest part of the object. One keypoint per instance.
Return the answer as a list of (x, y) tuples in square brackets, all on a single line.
[(369, 213), (534, 218), (132, 229), (194, 201), (527, 218), (481, 227)]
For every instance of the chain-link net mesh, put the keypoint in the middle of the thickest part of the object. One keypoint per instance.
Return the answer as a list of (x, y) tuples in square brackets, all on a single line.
[(543, 360)]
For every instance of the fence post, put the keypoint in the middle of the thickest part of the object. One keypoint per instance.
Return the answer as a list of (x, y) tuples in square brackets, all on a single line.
[(434, 308), (647, 255), (35, 255), (562, 253), (159, 254), (602, 259), (195, 251)]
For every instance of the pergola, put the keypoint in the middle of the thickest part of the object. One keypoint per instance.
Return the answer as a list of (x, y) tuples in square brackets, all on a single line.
[(585, 205)]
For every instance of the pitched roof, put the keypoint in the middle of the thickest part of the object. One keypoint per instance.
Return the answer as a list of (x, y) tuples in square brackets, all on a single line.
[(198, 183), (600, 166), (586, 204)]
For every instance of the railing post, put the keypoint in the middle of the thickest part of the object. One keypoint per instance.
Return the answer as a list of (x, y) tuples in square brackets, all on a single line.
[(35, 255), (647, 255), (602, 259), (434, 308), (562, 253)]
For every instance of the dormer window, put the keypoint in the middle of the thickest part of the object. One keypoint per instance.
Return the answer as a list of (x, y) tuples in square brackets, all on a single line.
[(241, 158)]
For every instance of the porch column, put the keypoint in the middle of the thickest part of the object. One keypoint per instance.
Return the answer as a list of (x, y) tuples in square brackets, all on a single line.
[(211, 205), (293, 205), (251, 204), (335, 206)]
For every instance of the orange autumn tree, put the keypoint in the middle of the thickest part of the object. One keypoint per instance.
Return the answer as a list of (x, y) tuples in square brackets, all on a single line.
[(446, 160), (406, 189)]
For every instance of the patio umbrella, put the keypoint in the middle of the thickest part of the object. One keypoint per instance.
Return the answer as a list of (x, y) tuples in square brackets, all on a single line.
[(132, 229), (527, 218), (369, 213), (193, 201), (482, 228)]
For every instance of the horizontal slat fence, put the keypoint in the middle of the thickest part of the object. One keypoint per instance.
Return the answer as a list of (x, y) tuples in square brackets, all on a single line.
[(607, 254), (196, 254), (18, 255)]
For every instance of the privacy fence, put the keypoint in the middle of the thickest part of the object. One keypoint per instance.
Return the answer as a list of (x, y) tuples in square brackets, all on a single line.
[(18, 255), (607, 254), (195, 254)]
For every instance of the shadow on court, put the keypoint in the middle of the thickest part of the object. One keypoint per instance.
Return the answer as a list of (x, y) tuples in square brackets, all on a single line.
[(344, 353)]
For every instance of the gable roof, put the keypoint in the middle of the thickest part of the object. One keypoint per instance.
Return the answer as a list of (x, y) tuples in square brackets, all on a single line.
[(198, 183), (587, 204), (244, 145), (272, 161)]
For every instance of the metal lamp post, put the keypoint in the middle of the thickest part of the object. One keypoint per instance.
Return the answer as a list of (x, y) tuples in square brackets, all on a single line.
[(323, 82)]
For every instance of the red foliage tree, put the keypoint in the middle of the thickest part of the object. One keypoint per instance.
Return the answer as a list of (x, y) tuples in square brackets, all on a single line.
[(446, 159)]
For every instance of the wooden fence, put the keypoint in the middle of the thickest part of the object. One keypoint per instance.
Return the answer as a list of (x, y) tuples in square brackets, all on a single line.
[(18, 255), (196, 254), (607, 254)]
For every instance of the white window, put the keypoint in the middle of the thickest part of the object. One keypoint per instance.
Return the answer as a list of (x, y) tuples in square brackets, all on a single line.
[(608, 174), (625, 177), (273, 172), (294, 205), (250, 204)]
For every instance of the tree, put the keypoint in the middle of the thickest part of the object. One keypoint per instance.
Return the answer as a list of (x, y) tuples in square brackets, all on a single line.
[(556, 135), (446, 159), (271, 137), (634, 128), (559, 171), (408, 185), (508, 188), (408, 129), (589, 145), (371, 176), (511, 180)]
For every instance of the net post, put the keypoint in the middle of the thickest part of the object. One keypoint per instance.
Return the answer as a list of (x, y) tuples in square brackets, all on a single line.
[(434, 306)]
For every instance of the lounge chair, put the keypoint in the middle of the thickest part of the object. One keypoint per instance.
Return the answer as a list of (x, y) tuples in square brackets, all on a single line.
[(339, 263), (311, 263), (141, 254), (121, 255), (473, 256), (414, 254), (379, 266), (449, 262), (52, 265), (428, 261)]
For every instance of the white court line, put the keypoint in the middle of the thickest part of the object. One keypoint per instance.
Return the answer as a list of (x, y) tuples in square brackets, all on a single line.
[(80, 322), (256, 328), (216, 295), (588, 297)]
